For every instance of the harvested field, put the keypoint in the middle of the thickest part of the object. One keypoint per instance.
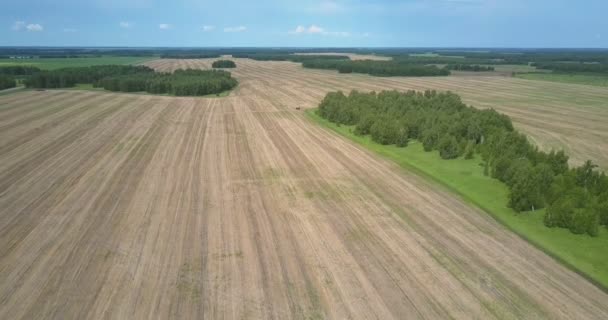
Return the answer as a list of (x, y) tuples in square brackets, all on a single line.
[(136, 207), (352, 56), (555, 115)]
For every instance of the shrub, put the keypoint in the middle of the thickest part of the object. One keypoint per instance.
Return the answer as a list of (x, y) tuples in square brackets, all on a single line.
[(448, 148), (223, 64)]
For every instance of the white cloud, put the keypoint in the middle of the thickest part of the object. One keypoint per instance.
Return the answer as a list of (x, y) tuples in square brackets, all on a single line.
[(18, 25), (21, 25), (208, 28), (34, 27), (164, 26), (310, 30), (125, 24), (235, 29), (314, 29)]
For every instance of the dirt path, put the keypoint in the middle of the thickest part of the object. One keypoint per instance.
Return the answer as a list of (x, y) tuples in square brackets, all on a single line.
[(137, 207)]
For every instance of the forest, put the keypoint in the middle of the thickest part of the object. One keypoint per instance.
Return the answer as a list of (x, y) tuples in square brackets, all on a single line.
[(223, 64), (127, 78), (574, 67), (7, 82), (343, 64), (180, 83), (69, 77), (23, 70), (574, 198), (377, 68), (10, 74)]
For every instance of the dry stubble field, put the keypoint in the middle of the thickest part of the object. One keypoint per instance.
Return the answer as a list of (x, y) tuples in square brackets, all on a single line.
[(556, 115), (137, 206)]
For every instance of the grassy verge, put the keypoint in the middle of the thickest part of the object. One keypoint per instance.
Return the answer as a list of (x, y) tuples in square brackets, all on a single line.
[(587, 79), (11, 90), (58, 63), (586, 255), (85, 86)]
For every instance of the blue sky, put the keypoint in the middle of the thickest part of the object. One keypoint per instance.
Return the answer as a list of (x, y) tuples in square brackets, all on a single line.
[(306, 23)]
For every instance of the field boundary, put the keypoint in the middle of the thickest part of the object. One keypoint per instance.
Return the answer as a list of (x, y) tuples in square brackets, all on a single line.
[(12, 90), (313, 117)]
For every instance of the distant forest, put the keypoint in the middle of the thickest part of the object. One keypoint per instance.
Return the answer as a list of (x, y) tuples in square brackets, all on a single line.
[(343, 64), (125, 78), (574, 198), (557, 60), (377, 68), (469, 67)]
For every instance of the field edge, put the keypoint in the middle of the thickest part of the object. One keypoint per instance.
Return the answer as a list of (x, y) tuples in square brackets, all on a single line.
[(602, 285)]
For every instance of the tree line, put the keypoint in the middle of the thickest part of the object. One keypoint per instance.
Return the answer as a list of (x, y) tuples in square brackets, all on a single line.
[(69, 77), (377, 68), (180, 83), (343, 64), (9, 75), (469, 67), (7, 82), (574, 198), (223, 64), (19, 70), (127, 78), (573, 67)]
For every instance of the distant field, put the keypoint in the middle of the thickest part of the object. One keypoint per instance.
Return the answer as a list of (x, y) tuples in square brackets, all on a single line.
[(588, 79), (352, 56), (57, 63), (554, 115)]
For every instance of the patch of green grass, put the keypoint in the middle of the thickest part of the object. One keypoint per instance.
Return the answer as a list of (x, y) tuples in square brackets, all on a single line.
[(584, 254), (58, 63), (581, 78), (11, 90)]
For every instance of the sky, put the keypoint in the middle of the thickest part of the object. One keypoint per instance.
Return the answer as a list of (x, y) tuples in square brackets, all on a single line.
[(306, 23)]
